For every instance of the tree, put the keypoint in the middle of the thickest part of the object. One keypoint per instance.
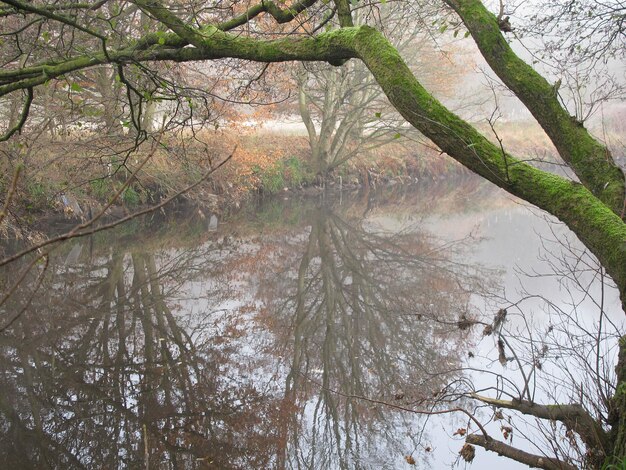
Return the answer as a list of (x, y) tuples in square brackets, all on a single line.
[(593, 208), (344, 110)]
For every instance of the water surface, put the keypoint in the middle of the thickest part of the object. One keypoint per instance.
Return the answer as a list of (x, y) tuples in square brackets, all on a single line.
[(294, 334)]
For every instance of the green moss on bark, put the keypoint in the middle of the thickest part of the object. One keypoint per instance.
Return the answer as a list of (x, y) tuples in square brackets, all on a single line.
[(598, 227), (590, 160)]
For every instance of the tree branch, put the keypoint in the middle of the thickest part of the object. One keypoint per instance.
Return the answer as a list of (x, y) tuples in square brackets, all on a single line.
[(505, 450), (574, 416), (62, 7), (591, 161), (214, 45), (23, 116), (281, 16), (47, 13)]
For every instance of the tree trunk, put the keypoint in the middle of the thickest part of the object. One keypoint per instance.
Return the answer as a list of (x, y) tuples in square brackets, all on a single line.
[(617, 416), (590, 160)]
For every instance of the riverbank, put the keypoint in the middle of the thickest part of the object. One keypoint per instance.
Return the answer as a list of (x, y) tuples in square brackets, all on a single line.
[(78, 176)]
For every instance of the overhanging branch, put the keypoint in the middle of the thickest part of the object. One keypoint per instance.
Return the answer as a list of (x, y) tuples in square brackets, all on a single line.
[(591, 161), (513, 453), (574, 416)]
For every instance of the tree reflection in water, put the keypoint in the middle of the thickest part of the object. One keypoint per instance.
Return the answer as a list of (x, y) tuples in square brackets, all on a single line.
[(363, 313), (236, 355)]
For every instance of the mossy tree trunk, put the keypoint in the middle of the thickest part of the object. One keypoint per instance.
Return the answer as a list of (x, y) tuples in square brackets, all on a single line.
[(589, 159)]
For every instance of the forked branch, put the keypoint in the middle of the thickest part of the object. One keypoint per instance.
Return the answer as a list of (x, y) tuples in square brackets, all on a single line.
[(574, 416), (505, 450)]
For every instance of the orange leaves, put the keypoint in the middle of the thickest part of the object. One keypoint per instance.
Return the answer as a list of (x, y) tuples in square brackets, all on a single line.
[(460, 432), (507, 431), (258, 158)]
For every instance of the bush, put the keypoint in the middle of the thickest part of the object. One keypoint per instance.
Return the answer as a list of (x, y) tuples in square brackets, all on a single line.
[(131, 197), (101, 188), (272, 180), (295, 172), (37, 195), (283, 173)]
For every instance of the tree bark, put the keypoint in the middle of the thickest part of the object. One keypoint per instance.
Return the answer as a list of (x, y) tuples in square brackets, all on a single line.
[(533, 461), (590, 160)]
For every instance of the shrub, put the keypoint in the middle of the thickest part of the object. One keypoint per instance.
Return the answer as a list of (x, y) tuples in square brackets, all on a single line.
[(101, 188), (131, 197)]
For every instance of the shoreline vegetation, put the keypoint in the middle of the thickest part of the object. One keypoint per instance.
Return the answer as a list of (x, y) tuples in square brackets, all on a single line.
[(73, 177)]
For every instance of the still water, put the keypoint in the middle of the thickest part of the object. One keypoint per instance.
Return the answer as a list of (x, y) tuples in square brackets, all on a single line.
[(297, 333)]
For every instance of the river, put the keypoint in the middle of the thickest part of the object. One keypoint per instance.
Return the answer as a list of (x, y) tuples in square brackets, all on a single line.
[(301, 332)]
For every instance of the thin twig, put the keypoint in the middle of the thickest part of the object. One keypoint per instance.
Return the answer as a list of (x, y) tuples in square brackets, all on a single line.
[(10, 193)]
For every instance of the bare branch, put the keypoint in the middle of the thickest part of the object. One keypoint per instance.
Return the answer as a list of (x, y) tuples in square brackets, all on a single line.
[(53, 16), (574, 416), (535, 461), (52, 8), (23, 117)]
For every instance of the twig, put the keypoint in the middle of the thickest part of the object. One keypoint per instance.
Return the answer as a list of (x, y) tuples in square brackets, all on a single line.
[(38, 282), (23, 116), (10, 193)]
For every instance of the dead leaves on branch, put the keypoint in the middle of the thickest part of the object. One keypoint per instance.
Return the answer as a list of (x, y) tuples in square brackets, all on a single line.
[(460, 432), (468, 452)]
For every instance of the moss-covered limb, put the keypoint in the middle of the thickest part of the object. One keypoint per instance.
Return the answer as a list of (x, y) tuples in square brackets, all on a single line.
[(211, 39), (266, 6), (505, 450), (599, 228), (197, 36), (162, 14), (187, 33), (330, 46), (280, 15), (617, 415), (590, 160), (574, 416)]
